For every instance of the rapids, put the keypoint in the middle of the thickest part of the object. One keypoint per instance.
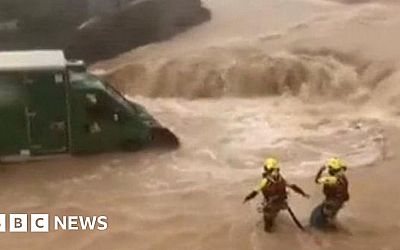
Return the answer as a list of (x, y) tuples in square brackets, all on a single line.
[(300, 80)]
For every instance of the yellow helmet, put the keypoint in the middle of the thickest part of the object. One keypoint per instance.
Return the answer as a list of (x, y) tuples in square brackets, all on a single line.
[(271, 164), (335, 164)]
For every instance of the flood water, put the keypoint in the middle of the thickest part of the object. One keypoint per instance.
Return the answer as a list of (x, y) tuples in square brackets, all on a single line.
[(299, 80)]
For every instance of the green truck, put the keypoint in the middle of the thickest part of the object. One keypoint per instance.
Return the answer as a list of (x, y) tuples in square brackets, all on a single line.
[(49, 105)]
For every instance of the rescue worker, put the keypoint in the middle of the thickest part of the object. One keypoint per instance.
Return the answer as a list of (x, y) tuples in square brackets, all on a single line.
[(274, 189), (335, 187)]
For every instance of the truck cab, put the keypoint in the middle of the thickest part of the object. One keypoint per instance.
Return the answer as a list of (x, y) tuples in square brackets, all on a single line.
[(49, 105)]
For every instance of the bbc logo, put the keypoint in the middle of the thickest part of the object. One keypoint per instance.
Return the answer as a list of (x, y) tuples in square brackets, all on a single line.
[(18, 223), (23, 223)]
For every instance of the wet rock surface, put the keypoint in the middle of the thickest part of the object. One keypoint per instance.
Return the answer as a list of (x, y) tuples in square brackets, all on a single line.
[(94, 29)]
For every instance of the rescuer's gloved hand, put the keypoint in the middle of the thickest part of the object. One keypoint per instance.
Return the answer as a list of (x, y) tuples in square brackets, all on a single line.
[(299, 190), (250, 196)]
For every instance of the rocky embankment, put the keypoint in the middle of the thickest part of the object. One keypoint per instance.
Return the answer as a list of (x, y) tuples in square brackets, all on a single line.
[(94, 29)]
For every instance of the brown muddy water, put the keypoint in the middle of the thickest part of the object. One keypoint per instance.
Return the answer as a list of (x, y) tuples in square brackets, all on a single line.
[(298, 80)]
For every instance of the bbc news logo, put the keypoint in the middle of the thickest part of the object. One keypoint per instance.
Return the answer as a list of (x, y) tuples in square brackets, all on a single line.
[(41, 223)]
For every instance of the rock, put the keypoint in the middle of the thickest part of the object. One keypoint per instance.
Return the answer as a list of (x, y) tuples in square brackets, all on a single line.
[(96, 29)]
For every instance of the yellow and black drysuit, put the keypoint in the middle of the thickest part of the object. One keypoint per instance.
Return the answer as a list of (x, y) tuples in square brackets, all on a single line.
[(335, 187), (274, 189)]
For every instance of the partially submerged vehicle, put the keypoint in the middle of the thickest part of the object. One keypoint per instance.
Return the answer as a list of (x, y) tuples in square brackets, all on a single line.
[(49, 105)]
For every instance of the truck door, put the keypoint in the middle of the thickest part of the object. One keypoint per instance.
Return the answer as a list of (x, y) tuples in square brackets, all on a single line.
[(47, 112)]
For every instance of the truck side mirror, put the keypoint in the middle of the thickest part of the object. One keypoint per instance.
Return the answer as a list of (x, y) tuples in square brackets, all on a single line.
[(116, 117), (120, 116), (95, 106), (91, 99)]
